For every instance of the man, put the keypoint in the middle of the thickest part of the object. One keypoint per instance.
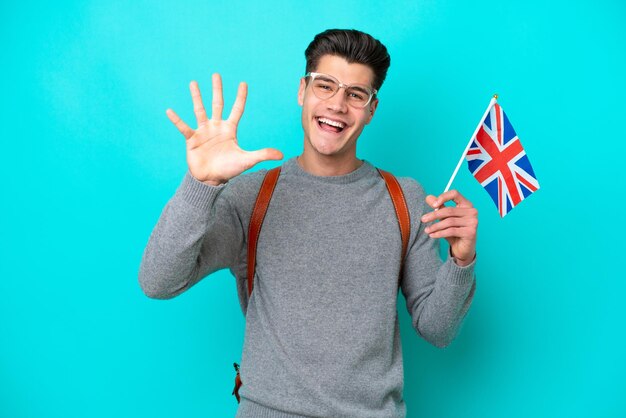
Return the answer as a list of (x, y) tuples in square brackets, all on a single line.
[(322, 336)]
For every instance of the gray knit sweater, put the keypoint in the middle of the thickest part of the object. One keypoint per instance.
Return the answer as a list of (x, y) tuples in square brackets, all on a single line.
[(322, 336)]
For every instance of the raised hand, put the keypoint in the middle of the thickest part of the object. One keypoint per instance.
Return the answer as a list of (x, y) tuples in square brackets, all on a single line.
[(213, 152), (458, 225)]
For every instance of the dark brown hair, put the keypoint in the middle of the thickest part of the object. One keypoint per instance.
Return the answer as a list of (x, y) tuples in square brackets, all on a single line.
[(352, 45)]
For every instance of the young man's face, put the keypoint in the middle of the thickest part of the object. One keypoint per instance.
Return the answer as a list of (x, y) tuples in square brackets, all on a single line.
[(323, 138)]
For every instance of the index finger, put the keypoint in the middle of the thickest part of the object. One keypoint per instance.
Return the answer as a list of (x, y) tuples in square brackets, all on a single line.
[(453, 195), (198, 106)]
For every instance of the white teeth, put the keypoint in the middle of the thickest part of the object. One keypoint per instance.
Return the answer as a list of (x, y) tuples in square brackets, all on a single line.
[(332, 123)]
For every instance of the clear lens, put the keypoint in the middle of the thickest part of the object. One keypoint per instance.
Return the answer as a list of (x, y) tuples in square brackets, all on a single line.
[(358, 95), (324, 88)]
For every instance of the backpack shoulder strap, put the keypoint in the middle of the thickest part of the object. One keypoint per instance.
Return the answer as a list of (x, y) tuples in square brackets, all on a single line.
[(256, 220), (402, 210)]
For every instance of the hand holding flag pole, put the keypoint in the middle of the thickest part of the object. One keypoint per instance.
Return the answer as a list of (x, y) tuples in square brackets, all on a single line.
[(458, 225), (498, 161)]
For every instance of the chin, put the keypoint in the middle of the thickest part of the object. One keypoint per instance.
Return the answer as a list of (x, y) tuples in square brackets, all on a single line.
[(327, 147)]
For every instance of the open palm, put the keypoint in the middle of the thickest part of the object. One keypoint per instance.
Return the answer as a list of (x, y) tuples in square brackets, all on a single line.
[(213, 152)]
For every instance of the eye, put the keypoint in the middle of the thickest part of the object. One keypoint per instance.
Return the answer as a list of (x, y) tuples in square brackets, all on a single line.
[(357, 94), (324, 88)]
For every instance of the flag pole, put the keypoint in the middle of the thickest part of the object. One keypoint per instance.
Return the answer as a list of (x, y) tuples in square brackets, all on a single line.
[(491, 103)]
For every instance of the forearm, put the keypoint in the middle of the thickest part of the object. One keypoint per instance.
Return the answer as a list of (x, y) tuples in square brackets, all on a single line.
[(439, 316), (178, 253)]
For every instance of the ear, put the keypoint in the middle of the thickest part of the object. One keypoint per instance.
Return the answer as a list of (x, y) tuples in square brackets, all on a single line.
[(372, 109), (301, 91)]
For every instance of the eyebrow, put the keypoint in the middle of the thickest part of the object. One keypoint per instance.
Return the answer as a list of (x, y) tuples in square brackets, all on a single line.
[(324, 77), (360, 88)]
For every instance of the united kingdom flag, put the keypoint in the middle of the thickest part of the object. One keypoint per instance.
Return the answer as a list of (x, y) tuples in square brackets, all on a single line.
[(499, 163)]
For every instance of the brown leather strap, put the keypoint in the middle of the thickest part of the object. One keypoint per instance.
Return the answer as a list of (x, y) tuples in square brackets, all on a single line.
[(402, 211), (256, 220)]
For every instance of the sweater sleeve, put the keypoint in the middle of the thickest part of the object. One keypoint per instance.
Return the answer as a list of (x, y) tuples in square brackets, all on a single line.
[(438, 294), (197, 233)]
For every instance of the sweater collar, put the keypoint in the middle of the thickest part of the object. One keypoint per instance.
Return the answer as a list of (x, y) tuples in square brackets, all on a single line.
[(291, 166)]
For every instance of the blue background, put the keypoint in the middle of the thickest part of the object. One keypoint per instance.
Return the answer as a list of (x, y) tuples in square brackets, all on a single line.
[(89, 159)]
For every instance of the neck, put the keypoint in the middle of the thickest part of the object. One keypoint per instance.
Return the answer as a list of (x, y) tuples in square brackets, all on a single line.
[(322, 165)]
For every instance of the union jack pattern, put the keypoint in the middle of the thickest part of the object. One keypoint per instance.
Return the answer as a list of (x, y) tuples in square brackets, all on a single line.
[(497, 160)]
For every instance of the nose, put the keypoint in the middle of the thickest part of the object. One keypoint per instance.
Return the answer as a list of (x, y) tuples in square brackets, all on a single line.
[(338, 103)]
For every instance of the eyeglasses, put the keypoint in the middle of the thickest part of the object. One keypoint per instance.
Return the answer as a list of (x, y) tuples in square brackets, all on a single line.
[(325, 86)]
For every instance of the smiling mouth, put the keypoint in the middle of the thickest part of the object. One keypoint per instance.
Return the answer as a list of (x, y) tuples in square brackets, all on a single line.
[(329, 125)]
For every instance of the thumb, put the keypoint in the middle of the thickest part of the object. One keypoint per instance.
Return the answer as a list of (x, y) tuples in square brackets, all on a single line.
[(255, 157)]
